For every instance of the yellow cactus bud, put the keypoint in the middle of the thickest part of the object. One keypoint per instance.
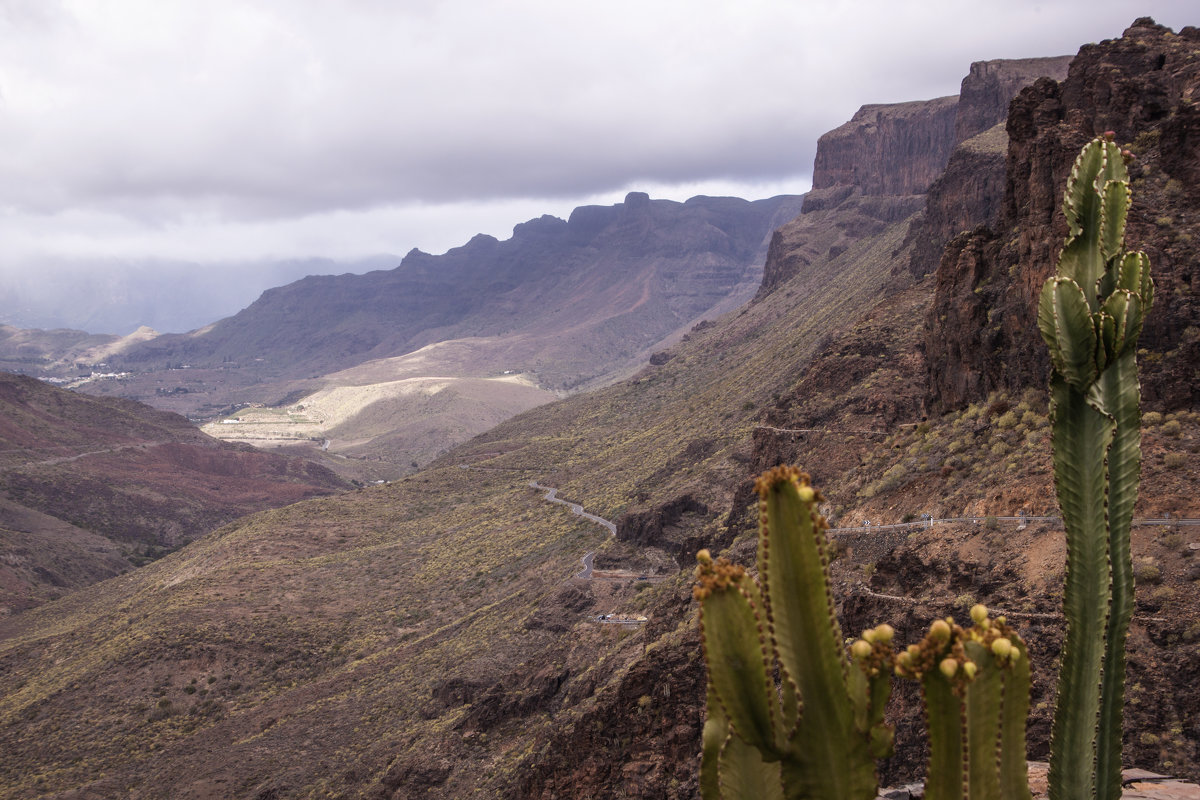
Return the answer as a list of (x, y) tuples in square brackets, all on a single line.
[(806, 493), (949, 667), (940, 630), (979, 613), (913, 651), (704, 557), (1002, 648), (969, 669), (884, 633), (869, 635), (861, 649)]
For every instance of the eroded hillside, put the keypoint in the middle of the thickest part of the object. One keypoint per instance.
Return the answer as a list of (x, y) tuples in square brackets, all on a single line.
[(91, 487)]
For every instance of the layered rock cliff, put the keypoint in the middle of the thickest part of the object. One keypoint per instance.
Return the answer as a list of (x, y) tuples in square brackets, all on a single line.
[(980, 332), (868, 174), (990, 86), (895, 150), (877, 168)]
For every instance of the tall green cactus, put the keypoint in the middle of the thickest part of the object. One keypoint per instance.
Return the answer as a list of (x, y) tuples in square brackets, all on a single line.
[(818, 734), (1090, 315)]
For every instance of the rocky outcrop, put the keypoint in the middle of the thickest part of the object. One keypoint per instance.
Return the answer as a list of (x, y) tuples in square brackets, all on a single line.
[(990, 86), (661, 525), (893, 150), (980, 332), (971, 190)]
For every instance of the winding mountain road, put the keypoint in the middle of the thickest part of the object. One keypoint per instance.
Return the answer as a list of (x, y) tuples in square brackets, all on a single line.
[(577, 510)]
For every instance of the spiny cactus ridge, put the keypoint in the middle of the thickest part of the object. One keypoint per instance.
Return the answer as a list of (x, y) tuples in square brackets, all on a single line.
[(1090, 315), (817, 734)]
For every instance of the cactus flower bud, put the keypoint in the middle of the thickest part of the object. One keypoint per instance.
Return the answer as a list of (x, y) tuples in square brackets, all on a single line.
[(979, 613), (704, 557), (949, 667), (969, 669), (1002, 648), (806, 493), (884, 633), (861, 650), (940, 630), (869, 635)]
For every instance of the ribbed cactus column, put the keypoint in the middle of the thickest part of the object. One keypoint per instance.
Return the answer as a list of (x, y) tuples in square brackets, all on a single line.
[(758, 743), (975, 682), (1090, 315)]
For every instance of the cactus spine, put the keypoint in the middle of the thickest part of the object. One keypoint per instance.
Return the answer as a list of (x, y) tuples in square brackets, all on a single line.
[(1090, 315), (817, 736)]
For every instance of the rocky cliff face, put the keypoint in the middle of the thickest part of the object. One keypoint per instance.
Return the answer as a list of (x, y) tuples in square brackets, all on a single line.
[(980, 332), (991, 85), (971, 190), (877, 168), (869, 173), (895, 150)]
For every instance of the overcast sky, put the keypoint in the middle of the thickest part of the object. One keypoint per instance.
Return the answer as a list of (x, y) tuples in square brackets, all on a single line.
[(215, 132)]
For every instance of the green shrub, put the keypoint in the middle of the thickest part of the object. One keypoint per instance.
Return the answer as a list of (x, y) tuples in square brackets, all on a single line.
[(1147, 571), (1008, 419)]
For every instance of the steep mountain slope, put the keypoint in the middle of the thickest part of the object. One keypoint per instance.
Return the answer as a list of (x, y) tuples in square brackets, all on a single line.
[(90, 486), (427, 638)]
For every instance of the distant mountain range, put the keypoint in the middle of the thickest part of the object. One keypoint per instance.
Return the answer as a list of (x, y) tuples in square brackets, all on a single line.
[(565, 300)]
